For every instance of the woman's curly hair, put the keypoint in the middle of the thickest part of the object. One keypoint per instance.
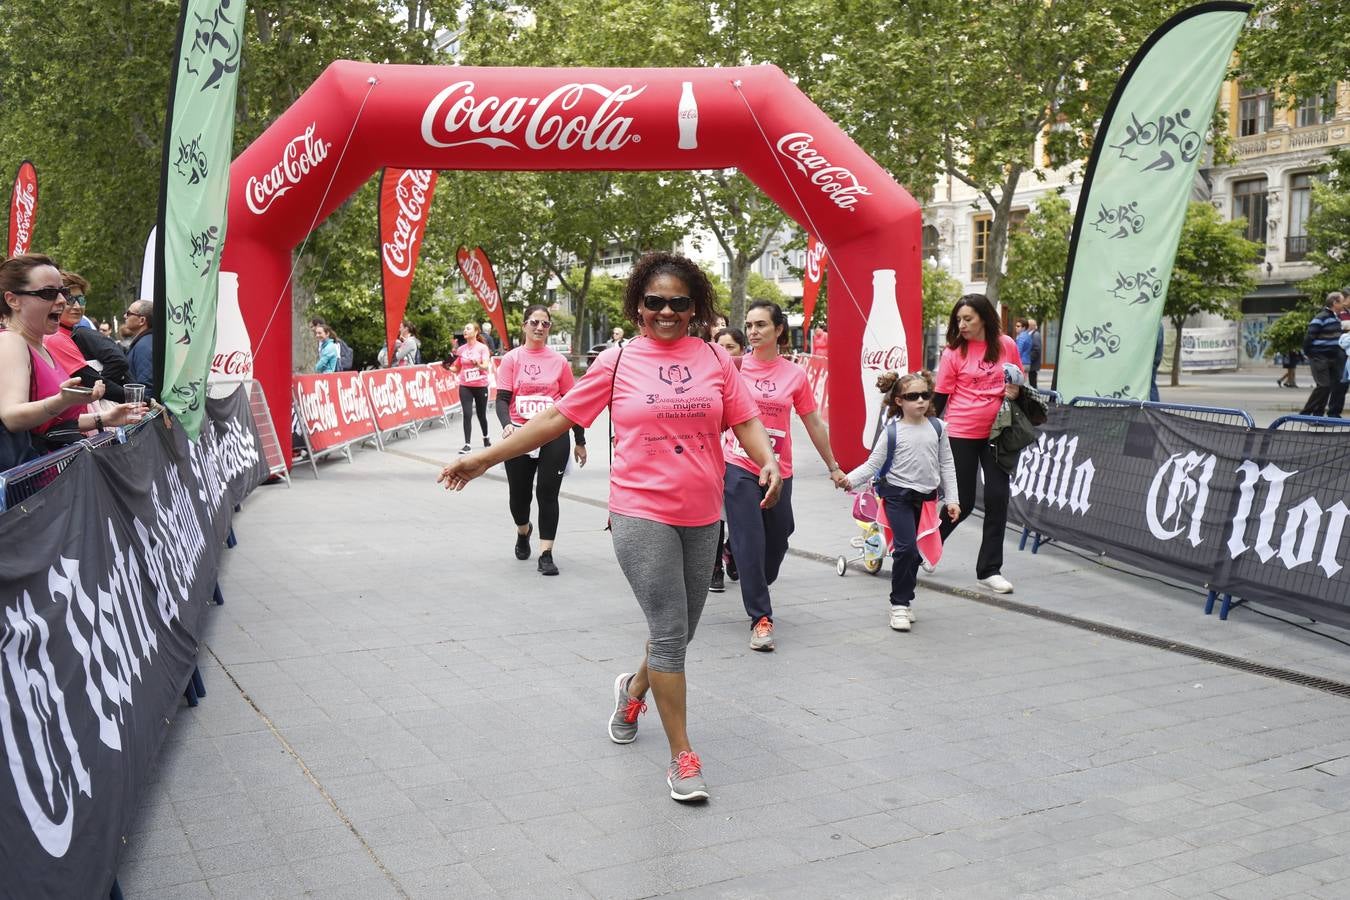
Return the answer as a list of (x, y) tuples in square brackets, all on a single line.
[(655, 264)]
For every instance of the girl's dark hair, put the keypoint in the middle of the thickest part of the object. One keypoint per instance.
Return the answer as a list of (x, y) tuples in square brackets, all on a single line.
[(654, 264), (992, 329), (736, 335), (412, 329), (776, 316), (537, 306), (14, 274), (892, 385)]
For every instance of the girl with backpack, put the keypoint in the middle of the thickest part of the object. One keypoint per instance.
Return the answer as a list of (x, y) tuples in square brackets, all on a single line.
[(909, 461)]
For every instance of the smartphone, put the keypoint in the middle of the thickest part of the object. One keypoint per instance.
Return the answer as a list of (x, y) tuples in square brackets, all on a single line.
[(82, 391)]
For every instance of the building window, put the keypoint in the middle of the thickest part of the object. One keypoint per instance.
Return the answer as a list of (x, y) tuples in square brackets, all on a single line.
[(930, 242), (979, 250), (1256, 111), (1249, 202), (1300, 204), (1316, 110)]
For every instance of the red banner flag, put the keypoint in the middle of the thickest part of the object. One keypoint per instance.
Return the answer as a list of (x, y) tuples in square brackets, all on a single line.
[(405, 204), (811, 279), (477, 271), (23, 209)]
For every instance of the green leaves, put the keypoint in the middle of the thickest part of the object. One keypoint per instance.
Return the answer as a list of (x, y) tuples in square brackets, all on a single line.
[(1038, 253), (1213, 267)]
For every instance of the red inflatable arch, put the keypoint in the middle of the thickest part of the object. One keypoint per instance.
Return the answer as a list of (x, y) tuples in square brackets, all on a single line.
[(358, 118)]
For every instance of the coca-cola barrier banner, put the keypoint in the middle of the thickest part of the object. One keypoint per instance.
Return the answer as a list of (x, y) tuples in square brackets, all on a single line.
[(23, 200), (476, 268), (339, 408), (102, 612), (405, 204), (460, 117), (1258, 514)]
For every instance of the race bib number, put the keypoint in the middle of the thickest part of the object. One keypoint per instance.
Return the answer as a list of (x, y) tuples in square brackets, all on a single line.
[(530, 405), (776, 439)]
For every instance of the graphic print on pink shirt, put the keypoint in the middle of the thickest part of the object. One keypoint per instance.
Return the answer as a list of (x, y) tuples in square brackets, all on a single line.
[(535, 378), (778, 387), (471, 357), (974, 388), (672, 401)]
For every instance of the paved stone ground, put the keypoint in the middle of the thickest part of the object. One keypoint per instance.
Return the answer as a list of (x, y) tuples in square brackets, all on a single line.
[(399, 708)]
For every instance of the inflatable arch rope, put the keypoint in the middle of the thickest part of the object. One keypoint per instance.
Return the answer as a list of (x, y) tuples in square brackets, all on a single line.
[(358, 118)]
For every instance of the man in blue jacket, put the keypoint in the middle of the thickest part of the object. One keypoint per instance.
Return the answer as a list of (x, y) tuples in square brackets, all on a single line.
[(141, 353), (1326, 359)]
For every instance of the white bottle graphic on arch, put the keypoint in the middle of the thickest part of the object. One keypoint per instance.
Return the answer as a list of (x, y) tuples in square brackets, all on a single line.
[(883, 348)]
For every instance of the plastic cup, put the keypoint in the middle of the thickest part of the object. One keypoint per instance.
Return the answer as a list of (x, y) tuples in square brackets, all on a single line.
[(135, 393)]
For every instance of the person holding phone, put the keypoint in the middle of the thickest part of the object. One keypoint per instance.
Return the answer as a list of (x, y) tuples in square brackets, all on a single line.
[(37, 395)]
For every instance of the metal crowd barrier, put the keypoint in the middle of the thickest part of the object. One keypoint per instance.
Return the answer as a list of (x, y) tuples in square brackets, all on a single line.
[(1308, 423), (1050, 399), (1220, 415), (27, 479)]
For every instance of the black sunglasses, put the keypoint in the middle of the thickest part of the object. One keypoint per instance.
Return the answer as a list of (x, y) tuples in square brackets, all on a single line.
[(48, 294), (656, 303), (917, 395)]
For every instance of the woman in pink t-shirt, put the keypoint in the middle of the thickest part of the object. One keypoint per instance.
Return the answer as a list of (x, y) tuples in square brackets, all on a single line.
[(670, 397), (759, 537), (970, 389), (471, 362), (530, 379)]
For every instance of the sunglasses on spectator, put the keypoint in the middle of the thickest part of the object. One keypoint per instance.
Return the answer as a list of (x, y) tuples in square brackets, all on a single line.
[(539, 323), (48, 294), (129, 313), (917, 395), (75, 299), (656, 303)]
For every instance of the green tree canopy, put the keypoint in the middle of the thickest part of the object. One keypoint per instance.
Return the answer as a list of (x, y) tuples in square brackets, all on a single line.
[(1038, 253), (1212, 271)]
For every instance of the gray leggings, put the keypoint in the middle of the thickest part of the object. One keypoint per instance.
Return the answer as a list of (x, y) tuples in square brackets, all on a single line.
[(669, 568)]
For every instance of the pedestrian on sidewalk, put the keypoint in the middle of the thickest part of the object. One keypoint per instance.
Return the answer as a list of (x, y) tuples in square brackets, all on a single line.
[(530, 379), (913, 457), (733, 341), (670, 397), (1326, 360), (970, 389), (759, 536)]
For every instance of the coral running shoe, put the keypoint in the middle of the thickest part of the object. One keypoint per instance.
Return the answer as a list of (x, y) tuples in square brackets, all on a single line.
[(685, 777)]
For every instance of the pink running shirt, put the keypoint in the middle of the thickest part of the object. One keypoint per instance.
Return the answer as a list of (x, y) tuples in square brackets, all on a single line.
[(47, 383), (470, 356), (778, 388), (535, 378), (974, 388), (671, 404)]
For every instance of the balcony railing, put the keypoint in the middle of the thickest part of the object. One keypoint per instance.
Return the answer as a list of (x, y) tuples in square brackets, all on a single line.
[(1295, 247)]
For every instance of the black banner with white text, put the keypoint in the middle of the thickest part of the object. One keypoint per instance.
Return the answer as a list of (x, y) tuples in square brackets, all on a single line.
[(104, 581), (1258, 514)]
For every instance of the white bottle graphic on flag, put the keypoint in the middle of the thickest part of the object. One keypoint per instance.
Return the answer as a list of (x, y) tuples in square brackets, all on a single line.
[(883, 348), (688, 118), (232, 360)]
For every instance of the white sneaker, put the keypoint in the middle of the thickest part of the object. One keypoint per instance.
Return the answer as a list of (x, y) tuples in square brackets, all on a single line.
[(900, 620), (997, 583), (928, 567)]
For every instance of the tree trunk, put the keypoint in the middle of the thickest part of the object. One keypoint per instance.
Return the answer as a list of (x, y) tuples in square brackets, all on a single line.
[(304, 349), (1176, 353), (998, 233), (740, 280)]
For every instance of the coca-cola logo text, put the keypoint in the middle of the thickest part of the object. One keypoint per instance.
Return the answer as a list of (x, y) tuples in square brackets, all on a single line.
[(413, 196), (422, 391), (455, 113), (301, 155), (837, 183), (236, 362), (352, 402), (885, 359), (387, 396), (316, 406), (480, 279), (25, 206)]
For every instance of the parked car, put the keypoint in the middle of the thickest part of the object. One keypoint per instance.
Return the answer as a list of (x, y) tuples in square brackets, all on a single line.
[(596, 350)]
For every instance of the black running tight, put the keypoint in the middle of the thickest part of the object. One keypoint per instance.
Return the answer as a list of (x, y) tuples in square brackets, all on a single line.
[(545, 476), (471, 397)]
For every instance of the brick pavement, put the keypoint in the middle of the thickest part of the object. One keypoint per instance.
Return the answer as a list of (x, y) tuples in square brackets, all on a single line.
[(399, 708)]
